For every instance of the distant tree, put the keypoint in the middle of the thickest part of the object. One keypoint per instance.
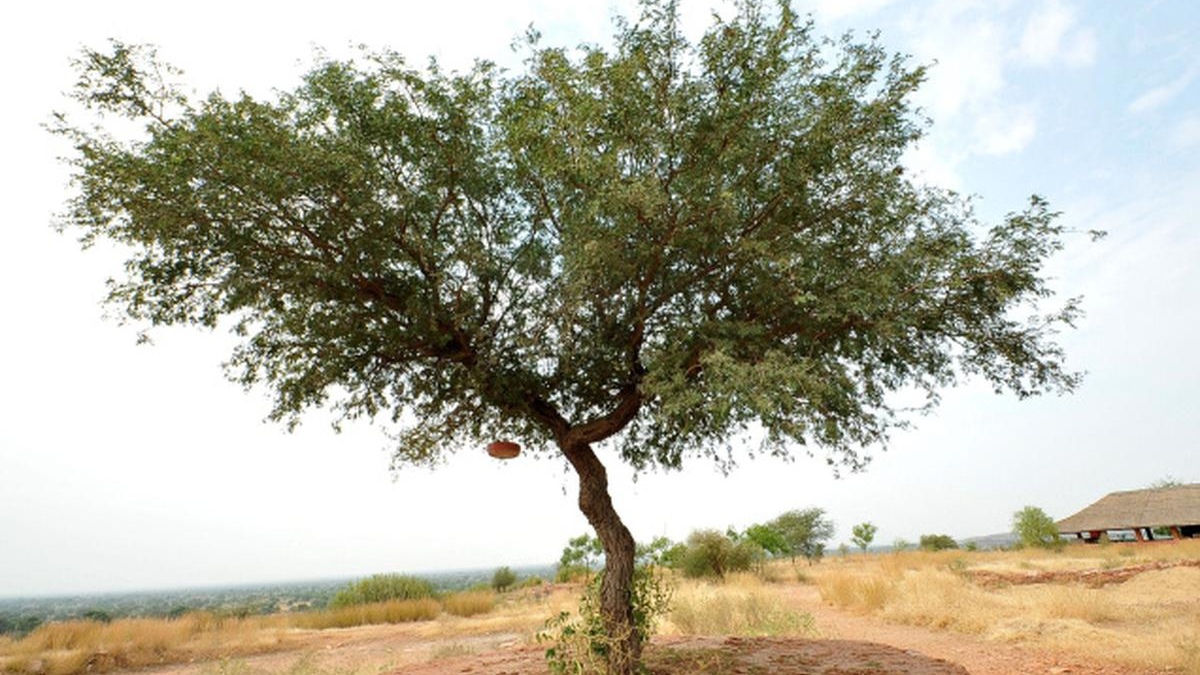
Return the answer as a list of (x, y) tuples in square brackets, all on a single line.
[(659, 243), (503, 579), (580, 557), (804, 532), (768, 539), (864, 534), (937, 542), (97, 615), (900, 544), (715, 554), (657, 552), (1167, 481), (1035, 528)]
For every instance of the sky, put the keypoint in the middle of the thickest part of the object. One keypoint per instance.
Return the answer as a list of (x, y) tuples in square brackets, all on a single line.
[(127, 467)]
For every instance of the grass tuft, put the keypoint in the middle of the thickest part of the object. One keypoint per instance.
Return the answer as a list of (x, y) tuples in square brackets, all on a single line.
[(469, 603)]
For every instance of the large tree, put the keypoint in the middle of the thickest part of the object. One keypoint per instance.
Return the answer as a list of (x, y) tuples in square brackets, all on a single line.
[(662, 245)]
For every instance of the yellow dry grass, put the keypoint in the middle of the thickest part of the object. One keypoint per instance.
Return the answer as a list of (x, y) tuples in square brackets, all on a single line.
[(469, 603), (741, 606), (1152, 619), (73, 647)]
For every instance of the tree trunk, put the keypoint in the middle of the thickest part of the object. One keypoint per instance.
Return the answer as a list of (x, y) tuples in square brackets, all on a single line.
[(616, 599)]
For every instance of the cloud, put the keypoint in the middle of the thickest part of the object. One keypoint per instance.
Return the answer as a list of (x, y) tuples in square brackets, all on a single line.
[(1005, 131), (1049, 38), (1161, 95)]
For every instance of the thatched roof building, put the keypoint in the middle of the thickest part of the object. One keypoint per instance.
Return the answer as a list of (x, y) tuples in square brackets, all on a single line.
[(1176, 509)]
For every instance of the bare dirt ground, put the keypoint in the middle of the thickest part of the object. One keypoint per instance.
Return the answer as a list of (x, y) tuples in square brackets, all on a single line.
[(846, 644)]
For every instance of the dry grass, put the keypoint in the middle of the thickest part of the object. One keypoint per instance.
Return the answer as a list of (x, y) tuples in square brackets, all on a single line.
[(72, 647), (1150, 620), (469, 603), (394, 611), (741, 606)]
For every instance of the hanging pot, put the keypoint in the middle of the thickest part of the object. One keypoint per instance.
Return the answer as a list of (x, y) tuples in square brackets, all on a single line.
[(503, 449)]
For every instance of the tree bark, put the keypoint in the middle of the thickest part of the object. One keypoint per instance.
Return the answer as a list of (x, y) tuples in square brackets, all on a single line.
[(616, 599)]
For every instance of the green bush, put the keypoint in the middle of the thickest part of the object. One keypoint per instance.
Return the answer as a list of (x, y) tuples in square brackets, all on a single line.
[(503, 579), (1035, 528), (937, 542), (382, 588), (710, 553)]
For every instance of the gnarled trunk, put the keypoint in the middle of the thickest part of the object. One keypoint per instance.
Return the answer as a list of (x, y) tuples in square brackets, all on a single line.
[(616, 600)]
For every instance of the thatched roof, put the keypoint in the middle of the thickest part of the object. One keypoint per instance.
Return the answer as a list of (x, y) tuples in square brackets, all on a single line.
[(1155, 507)]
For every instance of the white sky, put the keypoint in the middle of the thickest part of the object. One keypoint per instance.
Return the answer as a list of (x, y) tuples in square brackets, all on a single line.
[(126, 467)]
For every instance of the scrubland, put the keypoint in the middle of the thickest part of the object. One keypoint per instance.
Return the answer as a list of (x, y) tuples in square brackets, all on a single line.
[(1151, 618)]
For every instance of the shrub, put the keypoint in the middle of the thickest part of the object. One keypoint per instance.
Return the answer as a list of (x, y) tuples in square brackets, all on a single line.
[(382, 588), (937, 542), (503, 579), (710, 553)]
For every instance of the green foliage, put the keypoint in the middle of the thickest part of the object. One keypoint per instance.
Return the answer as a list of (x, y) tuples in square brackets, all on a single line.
[(767, 538), (659, 240), (658, 552), (1035, 528), (710, 553), (503, 579), (382, 588), (804, 532), (900, 544), (937, 542), (579, 558), (863, 535), (580, 645)]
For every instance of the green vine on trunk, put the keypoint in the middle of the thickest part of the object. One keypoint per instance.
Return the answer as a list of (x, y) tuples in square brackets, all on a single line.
[(579, 644)]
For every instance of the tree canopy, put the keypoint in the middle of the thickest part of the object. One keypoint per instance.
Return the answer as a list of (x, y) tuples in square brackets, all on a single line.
[(676, 241), (1035, 528), (672, 244)]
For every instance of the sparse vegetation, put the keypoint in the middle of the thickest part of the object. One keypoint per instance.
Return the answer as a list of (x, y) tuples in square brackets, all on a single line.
[(1149, 619)]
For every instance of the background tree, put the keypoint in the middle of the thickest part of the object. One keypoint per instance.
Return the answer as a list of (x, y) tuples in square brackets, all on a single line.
[(503, 579), (863, 535), (660, 244), (579, 558), (1035, 528), (711, 553), (767, 538), (805, 532), (937, 542)]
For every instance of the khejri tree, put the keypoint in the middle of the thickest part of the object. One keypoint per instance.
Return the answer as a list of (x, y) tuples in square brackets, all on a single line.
[(660, 245)]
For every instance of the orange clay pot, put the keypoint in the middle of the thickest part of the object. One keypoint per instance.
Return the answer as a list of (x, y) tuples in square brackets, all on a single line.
[(503, 449)]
